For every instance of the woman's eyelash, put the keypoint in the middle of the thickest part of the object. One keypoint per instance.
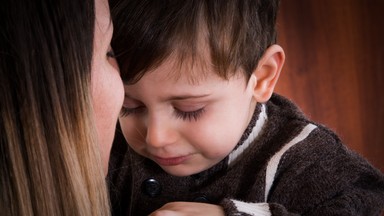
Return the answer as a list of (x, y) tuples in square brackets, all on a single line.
[(193, 115)]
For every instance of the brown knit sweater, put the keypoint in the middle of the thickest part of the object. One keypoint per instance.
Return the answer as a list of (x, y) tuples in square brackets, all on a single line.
[(283, 165)]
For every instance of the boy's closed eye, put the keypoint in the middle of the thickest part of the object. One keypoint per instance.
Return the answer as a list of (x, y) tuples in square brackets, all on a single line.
[(131, 106), (190, 115), (186, 115), (125, 111), (184, 107)]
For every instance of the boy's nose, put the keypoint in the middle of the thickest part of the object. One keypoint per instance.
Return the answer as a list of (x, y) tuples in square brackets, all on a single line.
[(160, 133)]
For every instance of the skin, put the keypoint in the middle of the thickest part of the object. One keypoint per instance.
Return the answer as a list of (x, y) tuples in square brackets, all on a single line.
[(188, 209), (189, 123), (107, 86), (156, 128)]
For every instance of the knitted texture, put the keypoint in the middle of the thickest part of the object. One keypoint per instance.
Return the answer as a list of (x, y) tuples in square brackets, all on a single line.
[(312, 174)]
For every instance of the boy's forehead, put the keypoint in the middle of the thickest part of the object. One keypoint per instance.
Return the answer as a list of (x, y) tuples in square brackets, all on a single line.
[(193, 69), (190, 72)]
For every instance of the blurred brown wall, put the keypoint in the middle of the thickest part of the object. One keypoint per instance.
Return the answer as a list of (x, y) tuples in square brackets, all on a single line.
[(334, 68)]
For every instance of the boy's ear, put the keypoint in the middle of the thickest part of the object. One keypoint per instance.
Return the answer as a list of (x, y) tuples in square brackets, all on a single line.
[(267, 73)]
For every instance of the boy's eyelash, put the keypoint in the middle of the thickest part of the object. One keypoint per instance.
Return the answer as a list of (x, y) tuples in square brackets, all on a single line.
[(128, 111), (193, 115), (110, 54), (185, 116)]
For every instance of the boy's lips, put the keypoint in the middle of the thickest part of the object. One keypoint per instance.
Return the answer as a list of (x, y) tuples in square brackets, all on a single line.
[(171, 161)]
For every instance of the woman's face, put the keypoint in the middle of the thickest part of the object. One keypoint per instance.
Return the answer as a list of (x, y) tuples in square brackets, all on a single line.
[(107, 86)]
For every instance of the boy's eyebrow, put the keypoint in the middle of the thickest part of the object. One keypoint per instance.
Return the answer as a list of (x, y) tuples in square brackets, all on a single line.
[(186, 96), (177, 97)]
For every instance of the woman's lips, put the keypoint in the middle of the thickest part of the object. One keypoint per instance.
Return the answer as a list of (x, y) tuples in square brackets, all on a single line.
[(172, 161)]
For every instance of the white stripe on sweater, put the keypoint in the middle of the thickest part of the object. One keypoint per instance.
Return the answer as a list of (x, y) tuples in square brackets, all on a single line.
[(259, 209), (252, 136), (274, 161)]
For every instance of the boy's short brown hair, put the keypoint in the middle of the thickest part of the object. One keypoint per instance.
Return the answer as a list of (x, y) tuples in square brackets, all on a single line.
[(147, 32)]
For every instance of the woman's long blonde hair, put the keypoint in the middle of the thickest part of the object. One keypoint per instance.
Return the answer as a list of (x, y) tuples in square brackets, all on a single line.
[(49, 156)]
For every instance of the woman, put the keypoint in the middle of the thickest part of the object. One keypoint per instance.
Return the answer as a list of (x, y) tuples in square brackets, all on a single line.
[(60, 94)]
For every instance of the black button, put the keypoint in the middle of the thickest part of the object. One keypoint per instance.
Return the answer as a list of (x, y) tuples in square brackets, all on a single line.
[(202, 199), (151, 187)]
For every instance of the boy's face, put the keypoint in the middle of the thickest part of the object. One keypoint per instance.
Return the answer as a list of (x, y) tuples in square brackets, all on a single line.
[(186, 127)]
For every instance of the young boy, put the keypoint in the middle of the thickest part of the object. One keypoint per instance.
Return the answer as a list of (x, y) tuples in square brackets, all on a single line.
[(204, 126)]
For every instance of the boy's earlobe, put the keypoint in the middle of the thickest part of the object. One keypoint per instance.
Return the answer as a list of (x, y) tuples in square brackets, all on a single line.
[(267, 73)]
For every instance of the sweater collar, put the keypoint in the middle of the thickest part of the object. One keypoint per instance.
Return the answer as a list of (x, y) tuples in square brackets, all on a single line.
[(254, 128)]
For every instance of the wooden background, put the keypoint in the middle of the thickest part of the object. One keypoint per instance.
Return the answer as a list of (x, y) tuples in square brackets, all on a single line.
[(334, 68)]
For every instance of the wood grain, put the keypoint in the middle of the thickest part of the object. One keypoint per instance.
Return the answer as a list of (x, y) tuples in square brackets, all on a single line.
[(334, 68)]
